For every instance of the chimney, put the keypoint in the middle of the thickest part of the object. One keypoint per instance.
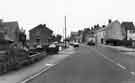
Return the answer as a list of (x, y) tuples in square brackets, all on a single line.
[(1, 22), (44, 25), (109, 21), (103, 26)]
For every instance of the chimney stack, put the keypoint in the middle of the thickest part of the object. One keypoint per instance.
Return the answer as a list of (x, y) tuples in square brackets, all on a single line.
[(109, 21), (44, 25)]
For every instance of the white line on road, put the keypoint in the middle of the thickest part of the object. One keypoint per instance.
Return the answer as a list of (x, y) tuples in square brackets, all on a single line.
[(35, 75), (119, 65), (133, 73), (112, 61), (123, 67), (47, 66)]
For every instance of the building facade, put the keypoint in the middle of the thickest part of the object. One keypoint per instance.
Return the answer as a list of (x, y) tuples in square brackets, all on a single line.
[(76, 36), (131, 34), (128, 30), (100, 35), (90, 36), (114, 31), (10, 30), (40, 34)]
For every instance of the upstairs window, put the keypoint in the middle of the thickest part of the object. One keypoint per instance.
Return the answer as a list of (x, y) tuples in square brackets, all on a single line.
[(132, 31)]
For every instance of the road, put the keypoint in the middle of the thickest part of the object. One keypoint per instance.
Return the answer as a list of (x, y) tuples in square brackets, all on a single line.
[(90, 65), (21, 75)]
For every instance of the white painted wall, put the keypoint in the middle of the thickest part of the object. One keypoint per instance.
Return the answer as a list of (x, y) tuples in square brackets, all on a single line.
[(130, 35), (114, 31)]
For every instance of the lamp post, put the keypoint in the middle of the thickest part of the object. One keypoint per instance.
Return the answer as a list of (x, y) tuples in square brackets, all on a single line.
[(65, 32)]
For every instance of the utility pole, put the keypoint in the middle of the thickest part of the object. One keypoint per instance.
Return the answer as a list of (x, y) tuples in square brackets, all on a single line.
[(65, 31)]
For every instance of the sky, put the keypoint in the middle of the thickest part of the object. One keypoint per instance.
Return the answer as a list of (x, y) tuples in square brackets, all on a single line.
[(80, 13)]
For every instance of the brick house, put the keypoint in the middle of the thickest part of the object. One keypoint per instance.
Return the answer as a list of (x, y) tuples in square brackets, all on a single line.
[(40, 34)]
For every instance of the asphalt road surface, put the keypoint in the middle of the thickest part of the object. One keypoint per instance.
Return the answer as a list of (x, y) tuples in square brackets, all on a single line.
[(87, 65)]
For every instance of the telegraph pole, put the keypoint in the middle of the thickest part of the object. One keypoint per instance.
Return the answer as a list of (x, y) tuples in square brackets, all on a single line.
[(65, 31)]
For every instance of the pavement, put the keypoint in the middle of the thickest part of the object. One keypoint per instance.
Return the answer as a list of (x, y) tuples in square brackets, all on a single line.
[(91, 65), (27, 73), (123, 50)]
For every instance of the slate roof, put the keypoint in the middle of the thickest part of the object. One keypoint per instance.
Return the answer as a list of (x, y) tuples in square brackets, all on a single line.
[(43, 27)]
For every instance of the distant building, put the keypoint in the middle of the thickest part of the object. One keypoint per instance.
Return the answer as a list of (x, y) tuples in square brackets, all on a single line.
[(40, 34), (100, 35), (129, 30), (90, 36), (76, 36), (114, 31), (9, 30)]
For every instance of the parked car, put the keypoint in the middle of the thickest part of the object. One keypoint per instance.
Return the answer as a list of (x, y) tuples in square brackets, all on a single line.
[(52, 49), (75, 45), (91, 43)]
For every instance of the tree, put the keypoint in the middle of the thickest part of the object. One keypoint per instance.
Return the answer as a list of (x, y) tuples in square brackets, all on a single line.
[(58, 37), (52, 38), (22, 37)]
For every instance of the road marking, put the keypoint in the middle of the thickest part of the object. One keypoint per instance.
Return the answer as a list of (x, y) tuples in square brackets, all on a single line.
[(118, 64), (35, 54), (133, 73), (112, 61), (47, 66), (35, 75), (123, 67)]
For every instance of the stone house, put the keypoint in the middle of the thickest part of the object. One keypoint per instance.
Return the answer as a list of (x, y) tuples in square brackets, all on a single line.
[(100, 35), (40, 34), (114, 31)]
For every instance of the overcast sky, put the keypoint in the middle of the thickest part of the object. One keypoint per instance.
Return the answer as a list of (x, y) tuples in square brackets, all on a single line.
[(80, 13)]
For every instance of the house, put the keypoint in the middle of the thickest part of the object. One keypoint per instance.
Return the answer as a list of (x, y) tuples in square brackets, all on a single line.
[(114, 31), (129, 30), (87, 35), (90, 36), (100, 35), (74, 37), (10, 30), (40, 34)]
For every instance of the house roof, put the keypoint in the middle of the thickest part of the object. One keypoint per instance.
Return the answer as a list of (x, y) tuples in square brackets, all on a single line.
[(41, 27), (11, 25), (114, 22), (99, 30)]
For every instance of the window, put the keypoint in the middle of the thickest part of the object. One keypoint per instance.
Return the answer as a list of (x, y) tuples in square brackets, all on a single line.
[(131, 31)]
